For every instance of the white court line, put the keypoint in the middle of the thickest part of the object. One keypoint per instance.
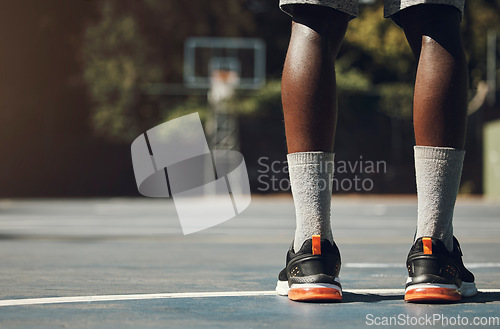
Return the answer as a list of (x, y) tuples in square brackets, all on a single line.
[(111, 298), (106, 298), (402, 265)]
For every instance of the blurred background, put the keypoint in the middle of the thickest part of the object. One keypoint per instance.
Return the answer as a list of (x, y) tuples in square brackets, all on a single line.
[(77, 78)]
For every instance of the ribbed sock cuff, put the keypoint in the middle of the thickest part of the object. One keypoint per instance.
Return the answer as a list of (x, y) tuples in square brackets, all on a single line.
[(439, 153), (311, 158)]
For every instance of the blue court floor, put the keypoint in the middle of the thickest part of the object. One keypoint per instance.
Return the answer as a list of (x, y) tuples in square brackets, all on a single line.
[(124, 263)]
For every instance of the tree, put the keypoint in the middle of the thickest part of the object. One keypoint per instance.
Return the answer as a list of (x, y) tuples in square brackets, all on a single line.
[(134, 43)]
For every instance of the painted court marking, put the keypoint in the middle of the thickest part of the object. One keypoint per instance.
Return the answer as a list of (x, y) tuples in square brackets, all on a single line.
[(110, 298), (402, 265), (114, 298)]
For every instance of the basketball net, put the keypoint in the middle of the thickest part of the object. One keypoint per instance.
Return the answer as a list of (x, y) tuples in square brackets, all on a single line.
[(223, 84)]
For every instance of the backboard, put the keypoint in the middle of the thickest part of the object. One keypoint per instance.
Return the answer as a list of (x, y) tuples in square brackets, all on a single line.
[(246, 57)]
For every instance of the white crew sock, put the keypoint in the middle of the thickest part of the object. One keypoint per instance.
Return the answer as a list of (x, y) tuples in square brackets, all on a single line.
[(438, 171), (311, 175)]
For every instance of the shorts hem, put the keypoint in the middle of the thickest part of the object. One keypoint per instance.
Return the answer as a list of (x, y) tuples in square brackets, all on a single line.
[(390, 10), (350, 9)]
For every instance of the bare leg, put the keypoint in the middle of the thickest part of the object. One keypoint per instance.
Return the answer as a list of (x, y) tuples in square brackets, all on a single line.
[(310, 110), (308, 84), (440, 115), (440, 99)]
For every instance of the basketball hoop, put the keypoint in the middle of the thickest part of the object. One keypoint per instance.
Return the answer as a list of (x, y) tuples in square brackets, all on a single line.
[(205, 55), (223, 84), (224, 76)]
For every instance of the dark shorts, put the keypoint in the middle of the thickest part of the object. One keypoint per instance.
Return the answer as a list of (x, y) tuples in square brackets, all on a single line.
[(350, 7)]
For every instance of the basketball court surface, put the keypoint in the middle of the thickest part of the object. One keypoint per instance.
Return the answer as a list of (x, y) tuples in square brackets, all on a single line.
[(124, 263)]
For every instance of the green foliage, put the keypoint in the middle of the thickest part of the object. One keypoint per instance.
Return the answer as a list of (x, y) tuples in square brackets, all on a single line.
[(113, 59), (191, 105), (396, 100), (134, 43), (480, 17), (351, 78), (379, 42), (264, 101)]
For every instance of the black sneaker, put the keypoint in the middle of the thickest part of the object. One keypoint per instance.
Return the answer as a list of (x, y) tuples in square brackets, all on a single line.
[(312, 273), (435, 274)]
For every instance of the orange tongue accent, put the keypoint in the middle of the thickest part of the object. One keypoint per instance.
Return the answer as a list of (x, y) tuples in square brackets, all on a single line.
[(427, 246), (316, 244)]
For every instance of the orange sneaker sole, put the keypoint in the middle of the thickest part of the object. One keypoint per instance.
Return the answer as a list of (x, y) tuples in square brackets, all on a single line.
[(304, 294), (432, 294)]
